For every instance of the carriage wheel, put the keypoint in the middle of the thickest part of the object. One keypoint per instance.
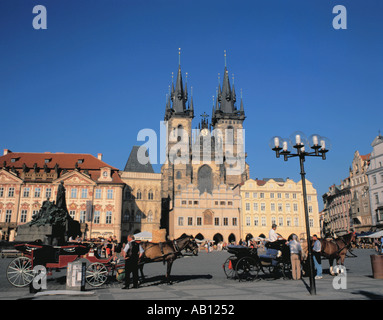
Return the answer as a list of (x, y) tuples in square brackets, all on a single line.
[(20, 272), (229, 268), (247, 269), (96, 274)]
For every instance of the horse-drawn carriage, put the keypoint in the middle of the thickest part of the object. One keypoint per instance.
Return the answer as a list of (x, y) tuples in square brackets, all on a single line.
[(20, 271), (246, 263)]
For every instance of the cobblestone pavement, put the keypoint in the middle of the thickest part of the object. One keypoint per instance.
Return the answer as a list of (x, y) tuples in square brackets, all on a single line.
[(202, 278)]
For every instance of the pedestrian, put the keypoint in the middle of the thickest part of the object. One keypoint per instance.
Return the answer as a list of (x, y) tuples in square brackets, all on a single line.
[(317, 248), (295, 257), (132, 253)]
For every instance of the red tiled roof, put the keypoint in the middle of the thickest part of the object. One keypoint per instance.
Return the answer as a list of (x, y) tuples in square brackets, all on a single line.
[(63, 160)]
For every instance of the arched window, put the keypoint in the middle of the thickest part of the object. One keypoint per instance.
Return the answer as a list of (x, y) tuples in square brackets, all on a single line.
[(178, 175), (138, 216), (150, 195), (180, 130), (205, 179), (139, 195), (150, 217)]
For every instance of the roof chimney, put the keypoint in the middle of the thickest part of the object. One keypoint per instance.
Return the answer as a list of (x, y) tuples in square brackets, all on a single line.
[(99, 156), (6, 151)]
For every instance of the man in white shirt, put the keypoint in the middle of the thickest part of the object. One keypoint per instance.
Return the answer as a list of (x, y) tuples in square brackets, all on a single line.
[(132, 253), (273, 236)]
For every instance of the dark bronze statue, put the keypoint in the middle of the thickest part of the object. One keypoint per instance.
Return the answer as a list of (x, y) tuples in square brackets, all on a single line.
[(56, 217)]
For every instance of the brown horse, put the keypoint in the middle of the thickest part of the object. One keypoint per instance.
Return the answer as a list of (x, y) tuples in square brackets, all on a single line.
[(167, 251), (336, 249)]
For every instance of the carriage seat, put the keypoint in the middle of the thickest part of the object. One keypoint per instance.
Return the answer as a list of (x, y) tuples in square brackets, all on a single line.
[(270, 256)]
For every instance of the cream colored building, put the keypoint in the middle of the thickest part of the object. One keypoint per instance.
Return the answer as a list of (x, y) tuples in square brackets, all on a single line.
[(211, 216), (269, 201), (142, 197)]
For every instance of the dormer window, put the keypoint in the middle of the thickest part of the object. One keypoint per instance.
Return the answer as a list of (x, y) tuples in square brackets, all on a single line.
[(80, 161), (47, 160)]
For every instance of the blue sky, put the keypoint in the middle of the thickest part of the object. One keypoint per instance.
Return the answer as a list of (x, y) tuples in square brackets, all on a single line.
[(100, 73)]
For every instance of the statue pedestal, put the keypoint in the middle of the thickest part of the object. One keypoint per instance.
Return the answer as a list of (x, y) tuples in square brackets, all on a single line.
[(46, 233)]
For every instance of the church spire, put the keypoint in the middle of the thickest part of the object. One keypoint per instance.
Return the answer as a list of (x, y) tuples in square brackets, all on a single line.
[(226, 99), (179, 94)]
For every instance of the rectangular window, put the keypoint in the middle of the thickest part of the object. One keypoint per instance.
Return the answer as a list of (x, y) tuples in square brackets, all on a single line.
[(199, 221), (310, 209), (73, 193), (247, 195), (82, 216), (11, 192), (296, 222), (255, 206), (256, 221), (280, 207), (235, 221), (37, 192), (180, 221), (84, 193), (311, 223), (2, 192), (272, 195), (279, 195), (247, 204), (262, 195), (72, 214), (288, 221), (108, 218), (288, 207), (273, 220), (247, 221), (255, 195), (280, 221), (97, 194), (110, 194), (96, 217), (272, 207), (294, 195), (8, 215), (26, 193), (48, 193), (263, 221), (230, 203), (263, 207), (216, 221), (23, 216), (225, 221), (295, 206), (190, 221)]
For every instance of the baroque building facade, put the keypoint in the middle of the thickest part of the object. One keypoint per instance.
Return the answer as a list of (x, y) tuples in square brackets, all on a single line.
[(93, 190), (375, 178), (277, 201), (360, 214)]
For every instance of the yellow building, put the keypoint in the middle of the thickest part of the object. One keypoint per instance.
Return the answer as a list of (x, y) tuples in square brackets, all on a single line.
[(269, 201)]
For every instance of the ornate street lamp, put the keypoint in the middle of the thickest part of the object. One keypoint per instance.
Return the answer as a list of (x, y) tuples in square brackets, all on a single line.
[(320, 146)]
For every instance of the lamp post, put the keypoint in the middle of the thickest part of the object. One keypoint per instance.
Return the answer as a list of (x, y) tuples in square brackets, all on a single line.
[(320, 146)]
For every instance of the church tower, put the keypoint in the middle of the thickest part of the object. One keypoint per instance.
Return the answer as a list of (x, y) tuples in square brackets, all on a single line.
[(176, 171), (227, 121)]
